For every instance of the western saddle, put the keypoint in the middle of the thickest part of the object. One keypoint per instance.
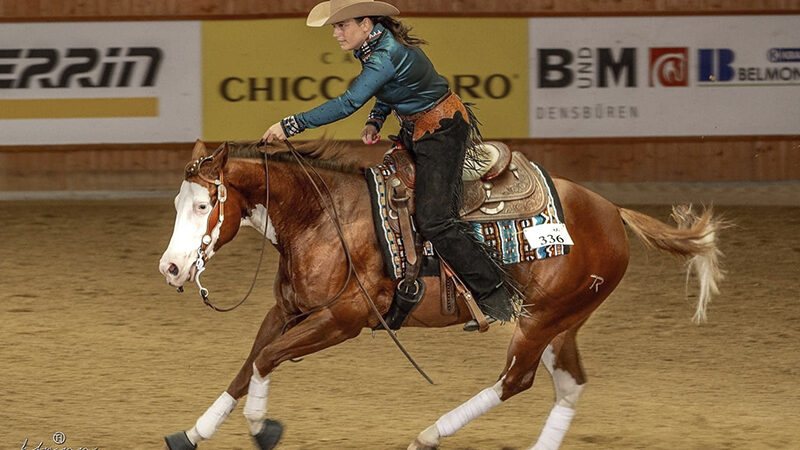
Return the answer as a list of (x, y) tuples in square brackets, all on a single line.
[(498, 185)]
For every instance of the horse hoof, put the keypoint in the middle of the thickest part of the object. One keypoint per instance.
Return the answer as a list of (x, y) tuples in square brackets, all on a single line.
[(179, 441), (270, 434), (419, 445)]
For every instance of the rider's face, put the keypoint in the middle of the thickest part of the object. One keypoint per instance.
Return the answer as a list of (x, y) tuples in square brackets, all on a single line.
[(351, 34)]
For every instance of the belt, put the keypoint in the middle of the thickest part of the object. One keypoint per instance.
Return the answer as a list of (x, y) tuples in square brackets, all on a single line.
[(428, 120), (413, 117)]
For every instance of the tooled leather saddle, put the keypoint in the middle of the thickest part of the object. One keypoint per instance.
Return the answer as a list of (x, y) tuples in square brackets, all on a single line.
[(498, 185)]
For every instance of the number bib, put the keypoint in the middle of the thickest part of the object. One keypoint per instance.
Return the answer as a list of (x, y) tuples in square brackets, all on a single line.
[(547, 234)]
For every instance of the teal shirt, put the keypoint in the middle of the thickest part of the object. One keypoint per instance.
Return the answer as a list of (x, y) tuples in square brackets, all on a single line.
[(402, 79)]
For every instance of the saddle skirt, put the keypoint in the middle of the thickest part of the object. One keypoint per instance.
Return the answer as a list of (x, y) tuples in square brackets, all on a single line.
[(501, 197)]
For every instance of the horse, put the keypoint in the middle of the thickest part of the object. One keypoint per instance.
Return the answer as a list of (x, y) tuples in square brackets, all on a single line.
[(331, 282)]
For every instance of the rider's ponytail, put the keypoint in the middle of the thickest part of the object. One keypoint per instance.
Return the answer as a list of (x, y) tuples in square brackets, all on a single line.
[(398, 29)]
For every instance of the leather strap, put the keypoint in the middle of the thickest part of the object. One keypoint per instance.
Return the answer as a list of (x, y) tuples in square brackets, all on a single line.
[(400, 200), (476, 312)]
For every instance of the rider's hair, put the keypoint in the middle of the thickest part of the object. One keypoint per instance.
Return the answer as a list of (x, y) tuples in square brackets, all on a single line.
[(398, 29)]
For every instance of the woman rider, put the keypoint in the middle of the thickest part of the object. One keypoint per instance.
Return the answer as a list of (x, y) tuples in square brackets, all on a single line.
[(435, 128)]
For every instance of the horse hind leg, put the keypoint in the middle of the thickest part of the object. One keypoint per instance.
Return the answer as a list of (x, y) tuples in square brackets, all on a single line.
[(562, 360), (521, 365)]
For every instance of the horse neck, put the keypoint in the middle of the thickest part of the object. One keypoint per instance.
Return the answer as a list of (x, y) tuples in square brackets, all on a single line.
[(294, 204)]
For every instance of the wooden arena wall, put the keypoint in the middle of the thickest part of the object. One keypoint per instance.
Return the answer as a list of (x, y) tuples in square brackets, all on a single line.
[(158, 166)]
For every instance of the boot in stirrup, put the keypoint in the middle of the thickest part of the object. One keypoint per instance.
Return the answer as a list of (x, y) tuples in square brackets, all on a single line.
[(495, 306)]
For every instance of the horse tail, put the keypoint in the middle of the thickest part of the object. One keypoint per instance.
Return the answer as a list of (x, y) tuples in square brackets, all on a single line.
[(694, 240)]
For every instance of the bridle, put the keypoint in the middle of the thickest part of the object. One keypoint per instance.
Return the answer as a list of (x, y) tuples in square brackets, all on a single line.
[(214, 222)]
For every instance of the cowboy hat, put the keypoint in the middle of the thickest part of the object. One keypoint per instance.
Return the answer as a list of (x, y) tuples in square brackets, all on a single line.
[(334, 11)]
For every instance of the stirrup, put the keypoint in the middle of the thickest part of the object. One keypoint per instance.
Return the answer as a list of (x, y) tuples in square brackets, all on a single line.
[(472, 324)]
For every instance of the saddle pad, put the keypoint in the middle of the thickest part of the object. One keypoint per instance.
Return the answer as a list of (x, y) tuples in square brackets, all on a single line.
[(506, 236)]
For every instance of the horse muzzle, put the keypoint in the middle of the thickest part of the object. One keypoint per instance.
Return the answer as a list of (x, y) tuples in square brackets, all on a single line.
[(175, 276)]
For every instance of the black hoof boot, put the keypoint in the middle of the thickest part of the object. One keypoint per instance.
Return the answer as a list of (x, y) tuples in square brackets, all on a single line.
[(179, 441), (270, 434)]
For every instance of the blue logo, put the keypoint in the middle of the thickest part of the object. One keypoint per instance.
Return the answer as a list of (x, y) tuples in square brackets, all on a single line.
[(715, 64)]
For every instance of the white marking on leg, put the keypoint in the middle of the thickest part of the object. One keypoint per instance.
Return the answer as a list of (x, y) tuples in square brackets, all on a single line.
[(567, 393), (210, 421), (255, 408)]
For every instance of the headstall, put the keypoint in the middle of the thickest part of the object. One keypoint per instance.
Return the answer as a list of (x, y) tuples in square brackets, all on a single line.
[(213, 222)]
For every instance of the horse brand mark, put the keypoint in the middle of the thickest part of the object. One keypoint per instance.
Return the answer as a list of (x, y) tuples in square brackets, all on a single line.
[(84, 67), (596, 282)]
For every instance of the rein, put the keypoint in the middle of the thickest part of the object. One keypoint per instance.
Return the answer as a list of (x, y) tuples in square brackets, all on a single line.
[(351, 271)]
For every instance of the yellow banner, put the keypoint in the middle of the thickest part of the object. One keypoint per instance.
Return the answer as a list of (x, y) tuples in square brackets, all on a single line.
[(255, 72)]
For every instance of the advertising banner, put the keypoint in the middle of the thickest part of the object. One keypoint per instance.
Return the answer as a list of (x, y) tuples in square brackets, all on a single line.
[(67, 83), (664, 76), (256, 72)]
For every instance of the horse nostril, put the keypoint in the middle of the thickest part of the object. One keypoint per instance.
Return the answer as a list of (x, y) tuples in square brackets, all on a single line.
[(173, 269)]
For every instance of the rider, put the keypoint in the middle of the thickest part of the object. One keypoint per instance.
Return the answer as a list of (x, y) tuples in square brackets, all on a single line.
[(436, 128)]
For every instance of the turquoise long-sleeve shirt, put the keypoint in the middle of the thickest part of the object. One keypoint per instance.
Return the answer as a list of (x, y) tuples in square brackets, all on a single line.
[(401, 78)]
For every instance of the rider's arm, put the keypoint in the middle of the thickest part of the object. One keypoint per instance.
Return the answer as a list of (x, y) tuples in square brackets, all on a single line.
[(376, 72)]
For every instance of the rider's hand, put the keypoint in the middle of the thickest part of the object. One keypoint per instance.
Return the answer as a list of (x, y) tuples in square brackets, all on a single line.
[(369, 135), (274, 132)]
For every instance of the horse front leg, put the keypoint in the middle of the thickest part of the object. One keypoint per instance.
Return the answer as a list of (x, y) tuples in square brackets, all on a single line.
[(318, 331), (207, 425)]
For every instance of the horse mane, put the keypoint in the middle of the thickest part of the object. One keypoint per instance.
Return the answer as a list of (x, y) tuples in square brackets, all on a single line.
[(321, 153)]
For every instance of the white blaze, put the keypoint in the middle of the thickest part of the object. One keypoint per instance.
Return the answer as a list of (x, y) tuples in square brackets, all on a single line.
[(192, 206)]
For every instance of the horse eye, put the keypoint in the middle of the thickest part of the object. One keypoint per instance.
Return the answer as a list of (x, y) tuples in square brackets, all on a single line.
[(202, 206)]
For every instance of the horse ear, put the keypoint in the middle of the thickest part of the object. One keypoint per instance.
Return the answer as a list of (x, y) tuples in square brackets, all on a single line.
[(222, 155), (199, 150)]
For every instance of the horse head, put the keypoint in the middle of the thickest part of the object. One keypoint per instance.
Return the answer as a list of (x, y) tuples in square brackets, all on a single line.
[(208, 215)]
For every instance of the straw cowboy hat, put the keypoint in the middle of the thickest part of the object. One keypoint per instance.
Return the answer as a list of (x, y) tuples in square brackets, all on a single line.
[(334, 11)]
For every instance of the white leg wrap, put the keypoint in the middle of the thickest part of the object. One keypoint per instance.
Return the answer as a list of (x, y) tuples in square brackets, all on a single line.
[(210, 421), (555, 428), (255, 408), (448, 424)]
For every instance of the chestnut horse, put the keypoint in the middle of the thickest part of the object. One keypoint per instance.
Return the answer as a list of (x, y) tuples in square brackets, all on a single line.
[(328, 276)]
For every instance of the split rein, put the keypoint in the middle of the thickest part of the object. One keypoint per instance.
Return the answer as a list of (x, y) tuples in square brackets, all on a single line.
[(327, 203)]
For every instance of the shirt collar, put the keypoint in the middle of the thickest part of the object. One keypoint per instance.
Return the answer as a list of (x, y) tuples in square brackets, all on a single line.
[(366, 48)]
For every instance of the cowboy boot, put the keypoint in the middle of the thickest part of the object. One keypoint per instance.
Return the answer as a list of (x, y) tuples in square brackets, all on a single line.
[(496, 306)]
